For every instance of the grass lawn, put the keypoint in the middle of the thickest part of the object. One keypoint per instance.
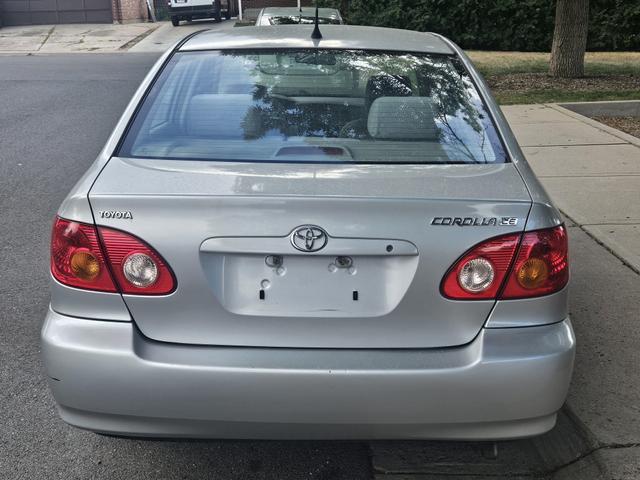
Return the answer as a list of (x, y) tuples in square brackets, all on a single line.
[(522, 77)]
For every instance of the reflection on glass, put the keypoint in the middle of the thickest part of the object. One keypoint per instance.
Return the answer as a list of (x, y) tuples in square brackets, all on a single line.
[(301, 19), (314, 106)]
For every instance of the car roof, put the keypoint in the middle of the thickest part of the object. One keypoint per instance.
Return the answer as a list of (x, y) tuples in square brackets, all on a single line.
[(287, 11), (345, 37)]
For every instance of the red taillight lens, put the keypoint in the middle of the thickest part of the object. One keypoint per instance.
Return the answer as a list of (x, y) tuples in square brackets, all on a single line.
[(489, 259), (541, 267), (76, 257), (128, 264), (138, 268)]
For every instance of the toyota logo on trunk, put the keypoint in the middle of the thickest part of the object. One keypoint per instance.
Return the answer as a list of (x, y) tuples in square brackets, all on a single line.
[(309, 238)]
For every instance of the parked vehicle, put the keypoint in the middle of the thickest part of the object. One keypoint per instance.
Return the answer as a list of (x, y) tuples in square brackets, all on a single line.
[(295, 16), (296, 237), (196, 9)]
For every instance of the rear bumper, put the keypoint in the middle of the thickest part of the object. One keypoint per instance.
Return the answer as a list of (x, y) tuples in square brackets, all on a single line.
[(107, 377)]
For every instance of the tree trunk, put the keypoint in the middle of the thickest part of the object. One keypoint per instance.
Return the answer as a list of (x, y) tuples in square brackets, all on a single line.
[(570, 38)]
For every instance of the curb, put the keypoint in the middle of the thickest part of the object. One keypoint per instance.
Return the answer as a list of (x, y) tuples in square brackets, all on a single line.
[(593, 123)]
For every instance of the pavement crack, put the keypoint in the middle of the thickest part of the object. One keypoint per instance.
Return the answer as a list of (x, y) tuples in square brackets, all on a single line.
[(137, 39), (614, 446), (488, 476), (532, 475), (611, 446), (575, 145), (46, 39)]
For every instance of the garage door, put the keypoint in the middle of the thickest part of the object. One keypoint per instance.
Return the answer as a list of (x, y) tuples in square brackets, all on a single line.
[(40, 12)]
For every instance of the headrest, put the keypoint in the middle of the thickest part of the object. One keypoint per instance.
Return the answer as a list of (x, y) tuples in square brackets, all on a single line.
[(402, 118), (387, 85), (228, 116)]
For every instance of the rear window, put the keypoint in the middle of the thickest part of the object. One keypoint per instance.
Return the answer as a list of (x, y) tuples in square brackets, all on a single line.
[(298, 19), (313, 106)]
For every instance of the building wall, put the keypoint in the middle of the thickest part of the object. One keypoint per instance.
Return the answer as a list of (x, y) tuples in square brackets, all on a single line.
[(43, 12), (129, 11)]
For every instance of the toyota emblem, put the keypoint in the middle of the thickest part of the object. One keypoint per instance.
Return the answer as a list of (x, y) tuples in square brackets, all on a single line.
[(309, 238)]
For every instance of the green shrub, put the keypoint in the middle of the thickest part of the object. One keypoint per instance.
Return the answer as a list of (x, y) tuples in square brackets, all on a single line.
[(523, 25)]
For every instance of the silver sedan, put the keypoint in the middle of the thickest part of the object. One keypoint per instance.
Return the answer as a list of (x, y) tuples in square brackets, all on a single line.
[(297, 237)]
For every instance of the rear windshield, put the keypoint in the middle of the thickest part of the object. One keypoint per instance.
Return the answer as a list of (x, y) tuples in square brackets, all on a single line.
[(298, 19), (325, 106)]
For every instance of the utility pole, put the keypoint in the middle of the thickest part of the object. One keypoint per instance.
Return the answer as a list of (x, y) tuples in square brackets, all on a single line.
[(240, 10), (298, 5)]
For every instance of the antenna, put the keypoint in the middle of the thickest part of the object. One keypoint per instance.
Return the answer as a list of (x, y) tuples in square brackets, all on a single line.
[(316, 35)]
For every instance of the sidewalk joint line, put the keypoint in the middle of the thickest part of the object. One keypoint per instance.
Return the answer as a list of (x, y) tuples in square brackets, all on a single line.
[(601, 243), (593, 175), (610, 224), (577, 145)]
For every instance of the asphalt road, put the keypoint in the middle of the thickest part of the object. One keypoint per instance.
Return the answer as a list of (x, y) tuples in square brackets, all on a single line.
[(55, 115)]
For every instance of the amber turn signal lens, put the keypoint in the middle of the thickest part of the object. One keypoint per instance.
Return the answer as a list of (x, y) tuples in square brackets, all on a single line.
[(85, 265), (533, 273)]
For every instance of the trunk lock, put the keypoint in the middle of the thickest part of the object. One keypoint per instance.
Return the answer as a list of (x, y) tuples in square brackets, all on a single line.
[(344, 262), (274, 261)]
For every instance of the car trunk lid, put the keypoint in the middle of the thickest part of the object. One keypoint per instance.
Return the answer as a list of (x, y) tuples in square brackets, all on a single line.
[(392, 232)]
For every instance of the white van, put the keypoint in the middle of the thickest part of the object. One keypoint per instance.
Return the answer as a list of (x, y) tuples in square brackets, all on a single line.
[(192, 9)]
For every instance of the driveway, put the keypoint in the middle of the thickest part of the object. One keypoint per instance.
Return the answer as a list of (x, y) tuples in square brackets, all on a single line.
[(57, 113), (99, 38)]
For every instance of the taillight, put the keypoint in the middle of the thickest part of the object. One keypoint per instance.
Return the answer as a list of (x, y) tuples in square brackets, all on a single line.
[(138, 268), (542, 265), (128, 265), (489, 270), (76, 257), (479, 274)]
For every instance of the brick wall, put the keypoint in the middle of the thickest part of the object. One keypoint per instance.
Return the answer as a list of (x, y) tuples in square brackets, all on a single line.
[(129, 11)]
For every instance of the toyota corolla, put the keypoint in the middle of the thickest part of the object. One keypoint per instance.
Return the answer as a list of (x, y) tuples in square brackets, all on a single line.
[(297, 237)]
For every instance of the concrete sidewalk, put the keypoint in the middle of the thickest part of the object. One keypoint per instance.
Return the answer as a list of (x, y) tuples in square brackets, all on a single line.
[(591, 171), (88, 38), (41, 39)]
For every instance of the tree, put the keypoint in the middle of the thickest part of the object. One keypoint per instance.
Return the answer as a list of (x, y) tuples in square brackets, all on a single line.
[(569, 38)]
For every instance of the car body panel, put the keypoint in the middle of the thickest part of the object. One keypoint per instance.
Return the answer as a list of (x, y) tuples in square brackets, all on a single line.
[(186, 4), (220, 392), (264, 203), (76, 302), (528, 312), (334, 36)]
